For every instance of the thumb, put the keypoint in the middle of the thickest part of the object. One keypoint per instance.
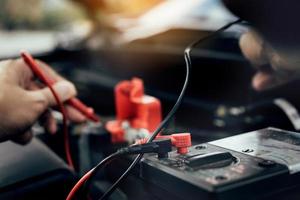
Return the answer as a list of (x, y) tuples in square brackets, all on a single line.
[(64, 89)]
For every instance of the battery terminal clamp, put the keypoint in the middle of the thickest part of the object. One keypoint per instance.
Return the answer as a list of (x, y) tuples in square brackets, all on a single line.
[(138, 114), (181, 141)]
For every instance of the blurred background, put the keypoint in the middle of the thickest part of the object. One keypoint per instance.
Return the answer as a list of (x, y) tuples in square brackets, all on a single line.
[(97, 43)]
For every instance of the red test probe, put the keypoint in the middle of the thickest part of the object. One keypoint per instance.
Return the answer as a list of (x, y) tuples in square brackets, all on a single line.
[(74, 102)]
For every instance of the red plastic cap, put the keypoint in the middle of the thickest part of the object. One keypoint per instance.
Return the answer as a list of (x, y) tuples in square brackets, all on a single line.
[(123, 102), (140, 110), (137, 89), (148, 113), (127, 95), (182, 141)]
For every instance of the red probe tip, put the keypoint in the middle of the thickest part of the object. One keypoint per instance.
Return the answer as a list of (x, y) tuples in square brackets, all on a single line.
[(91, 114), (94, 118)]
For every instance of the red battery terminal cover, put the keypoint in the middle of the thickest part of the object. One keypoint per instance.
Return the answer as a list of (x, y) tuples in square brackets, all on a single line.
[(182, 141), (133, 106)]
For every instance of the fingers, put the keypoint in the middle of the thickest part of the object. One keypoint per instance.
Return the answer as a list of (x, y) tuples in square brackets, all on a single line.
[(16, 72), (23, 94), (261, 54), (264, 80), (48, 122), (51, 125), (252, 46), (49, 71), (41, 99), (45, 99), (74, 115), (64, 89)]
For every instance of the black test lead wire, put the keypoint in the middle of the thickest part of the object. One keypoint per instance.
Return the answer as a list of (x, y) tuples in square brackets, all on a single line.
[(164, 123)]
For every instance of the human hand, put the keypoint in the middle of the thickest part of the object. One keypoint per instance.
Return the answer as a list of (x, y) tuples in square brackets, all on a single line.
[(274, 47), (274, 67), (23, 101)]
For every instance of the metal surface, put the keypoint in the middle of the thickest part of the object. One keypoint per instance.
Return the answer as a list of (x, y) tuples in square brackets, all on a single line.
[(271, 144)]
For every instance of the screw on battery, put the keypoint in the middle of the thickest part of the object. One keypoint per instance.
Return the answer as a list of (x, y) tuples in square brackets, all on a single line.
[(266, 163), (199, 147), (220, 178), (247, 150)]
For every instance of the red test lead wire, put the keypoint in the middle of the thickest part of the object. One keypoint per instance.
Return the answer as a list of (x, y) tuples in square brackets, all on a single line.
[(34, 67), (79, 185), (74, 102)]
